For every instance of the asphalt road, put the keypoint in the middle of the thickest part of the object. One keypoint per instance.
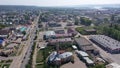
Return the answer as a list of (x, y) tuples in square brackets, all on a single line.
[(22, 60), (29, 50)]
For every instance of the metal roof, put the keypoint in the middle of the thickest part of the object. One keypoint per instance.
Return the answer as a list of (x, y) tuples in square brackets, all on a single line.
[(82, 41), (82, 53), (89, 61), (65, 55), (106, 41), (113, 65), (49, 33)]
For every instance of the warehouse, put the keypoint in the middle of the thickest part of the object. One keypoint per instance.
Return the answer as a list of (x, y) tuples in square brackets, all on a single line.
[(107, 43), (84, 44), (61, 40)]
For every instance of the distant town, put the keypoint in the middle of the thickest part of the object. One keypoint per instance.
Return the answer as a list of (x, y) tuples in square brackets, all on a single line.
[(57, 37)]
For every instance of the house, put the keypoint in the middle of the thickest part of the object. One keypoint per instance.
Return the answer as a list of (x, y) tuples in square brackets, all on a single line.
[(2, 43), (72, 31), (4, 33), (90, 31)]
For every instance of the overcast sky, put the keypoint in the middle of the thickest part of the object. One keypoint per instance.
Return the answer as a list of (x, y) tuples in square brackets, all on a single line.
[(57, 2)]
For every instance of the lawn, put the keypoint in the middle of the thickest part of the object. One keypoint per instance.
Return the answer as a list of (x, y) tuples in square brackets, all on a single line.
[(39, 66), (80, 30), (6, 66), (39, 56), (44, 53), (42, 56)]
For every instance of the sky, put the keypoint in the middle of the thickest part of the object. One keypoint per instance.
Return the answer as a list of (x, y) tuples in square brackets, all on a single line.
[(57, 2)]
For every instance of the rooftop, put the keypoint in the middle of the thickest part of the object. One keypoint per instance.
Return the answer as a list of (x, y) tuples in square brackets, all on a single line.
[(82, 53), (113, 65), (49, 33), (106, 41), (82, 41), (88, 60)]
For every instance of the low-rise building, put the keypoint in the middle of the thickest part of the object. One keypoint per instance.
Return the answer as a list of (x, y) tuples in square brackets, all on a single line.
[(107, 43), (58, 59), (62, 40), (2, 43), (4, 33), (113, 65), (84, 44), (90, 31), (49, 35)]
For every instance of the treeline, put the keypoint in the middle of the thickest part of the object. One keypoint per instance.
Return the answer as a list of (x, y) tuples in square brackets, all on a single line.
[(112, 31), (83, 20)]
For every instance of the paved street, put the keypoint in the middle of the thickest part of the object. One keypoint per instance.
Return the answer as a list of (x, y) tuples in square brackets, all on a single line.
[(22, 60)]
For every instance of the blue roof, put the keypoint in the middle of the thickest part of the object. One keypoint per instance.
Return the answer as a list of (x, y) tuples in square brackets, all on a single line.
[(23, 29), (1, 41)]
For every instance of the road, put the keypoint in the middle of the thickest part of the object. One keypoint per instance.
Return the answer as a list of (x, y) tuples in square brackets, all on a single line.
[(22, 60)]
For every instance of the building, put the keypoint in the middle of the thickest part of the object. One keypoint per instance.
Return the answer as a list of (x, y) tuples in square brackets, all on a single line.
[(2, 43), (85, 57), (88, 61), (4, 33), (58, 59), (49, 35), (72, 31), (59, 31), (113, 65), (54, 24), (61, 40), (90, 31), (82, 54), (63, 35), (56, 35), (84, 44), (107, 43)]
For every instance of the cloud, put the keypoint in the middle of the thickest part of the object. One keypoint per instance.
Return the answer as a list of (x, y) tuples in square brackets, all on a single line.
[(57, 2)]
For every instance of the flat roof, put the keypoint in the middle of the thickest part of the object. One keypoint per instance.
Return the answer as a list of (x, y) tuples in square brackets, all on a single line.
[(61, 40), (88, 60), (82, 41), (113, 65), (49, 33), (82, 53)]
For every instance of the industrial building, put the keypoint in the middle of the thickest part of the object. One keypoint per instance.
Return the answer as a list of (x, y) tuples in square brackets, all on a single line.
[(107, 43), (61, 40), (84, 44), (85, 57)]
